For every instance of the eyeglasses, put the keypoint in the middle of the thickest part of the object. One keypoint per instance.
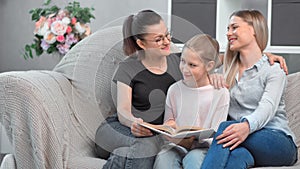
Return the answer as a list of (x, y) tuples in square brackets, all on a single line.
[(159, 40)]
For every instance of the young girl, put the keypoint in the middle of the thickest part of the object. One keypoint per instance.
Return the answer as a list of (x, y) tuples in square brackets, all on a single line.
[(193, 102)]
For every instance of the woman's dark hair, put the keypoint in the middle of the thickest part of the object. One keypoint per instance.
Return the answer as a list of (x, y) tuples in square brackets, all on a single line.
[(134, 27)]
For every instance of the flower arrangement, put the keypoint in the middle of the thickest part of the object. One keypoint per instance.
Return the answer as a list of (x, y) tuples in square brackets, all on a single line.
[(58, 30)]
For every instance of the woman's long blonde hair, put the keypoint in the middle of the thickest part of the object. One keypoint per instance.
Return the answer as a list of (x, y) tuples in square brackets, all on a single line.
[(231, 61)]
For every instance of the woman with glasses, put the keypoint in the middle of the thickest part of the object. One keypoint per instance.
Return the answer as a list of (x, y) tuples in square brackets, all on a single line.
[(142, 82)]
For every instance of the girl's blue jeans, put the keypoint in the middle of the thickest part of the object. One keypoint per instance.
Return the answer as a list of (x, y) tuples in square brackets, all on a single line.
[(265, 147), (172, 158)]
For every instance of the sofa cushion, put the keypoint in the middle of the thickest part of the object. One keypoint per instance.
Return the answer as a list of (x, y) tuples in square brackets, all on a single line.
[(90, 66)]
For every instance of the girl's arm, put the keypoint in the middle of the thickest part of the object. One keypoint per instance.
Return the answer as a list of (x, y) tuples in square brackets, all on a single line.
[(170, 109)]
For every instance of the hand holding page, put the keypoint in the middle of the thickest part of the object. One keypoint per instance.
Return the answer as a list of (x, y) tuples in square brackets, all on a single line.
[(180, 132)]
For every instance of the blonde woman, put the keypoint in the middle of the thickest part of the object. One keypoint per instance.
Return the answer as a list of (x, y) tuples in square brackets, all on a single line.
[(258, 133)]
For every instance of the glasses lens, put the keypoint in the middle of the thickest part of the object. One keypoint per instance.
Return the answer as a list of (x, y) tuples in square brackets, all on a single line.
[(161, 40)]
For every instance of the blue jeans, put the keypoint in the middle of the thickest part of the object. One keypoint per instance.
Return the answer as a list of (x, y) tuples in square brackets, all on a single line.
[(171, 157), (265, 147), (123, 150)]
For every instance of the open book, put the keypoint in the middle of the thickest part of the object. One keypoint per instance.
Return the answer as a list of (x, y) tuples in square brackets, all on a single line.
[(180, 132)]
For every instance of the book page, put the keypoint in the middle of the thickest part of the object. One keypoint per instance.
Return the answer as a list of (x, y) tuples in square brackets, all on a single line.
[(199, 134), (187, 128), (184, 131), (164, 128)]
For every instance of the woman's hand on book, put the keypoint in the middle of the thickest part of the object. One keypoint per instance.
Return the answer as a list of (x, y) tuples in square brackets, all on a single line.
[(138, 130)]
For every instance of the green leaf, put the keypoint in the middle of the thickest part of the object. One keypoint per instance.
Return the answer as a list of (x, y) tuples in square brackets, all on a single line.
[(27, 48), (35, 17), (47, 2), (28, 51), (54, 9), (51, 49)]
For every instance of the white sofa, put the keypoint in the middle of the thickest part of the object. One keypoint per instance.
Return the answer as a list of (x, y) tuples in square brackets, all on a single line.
[(51, 116)]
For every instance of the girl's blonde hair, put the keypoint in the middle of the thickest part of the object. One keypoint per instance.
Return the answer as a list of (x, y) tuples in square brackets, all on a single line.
[(205, 47), (231, 61)]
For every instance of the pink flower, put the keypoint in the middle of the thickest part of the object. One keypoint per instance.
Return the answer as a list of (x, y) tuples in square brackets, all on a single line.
[(50, 19), (42, 29), (60, 38), (40, 22), (69, 30), (73, 21), (41, 26), (59, 27)]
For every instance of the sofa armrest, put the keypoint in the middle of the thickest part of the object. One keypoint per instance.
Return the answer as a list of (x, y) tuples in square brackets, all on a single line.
[(293, 106), (34, 107)]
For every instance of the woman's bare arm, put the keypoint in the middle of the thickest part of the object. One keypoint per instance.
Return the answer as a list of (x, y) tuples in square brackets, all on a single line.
[(124, 95)]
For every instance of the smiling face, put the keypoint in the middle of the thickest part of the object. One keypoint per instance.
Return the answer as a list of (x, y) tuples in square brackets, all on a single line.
[(240, 34), (245, 27), (156, 40), (193, 69)]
